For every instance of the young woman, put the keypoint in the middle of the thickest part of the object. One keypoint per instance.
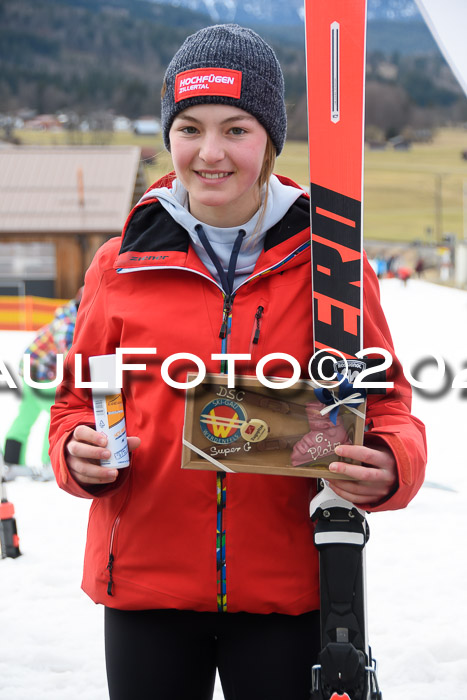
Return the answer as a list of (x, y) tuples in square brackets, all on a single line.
[(199, 570)]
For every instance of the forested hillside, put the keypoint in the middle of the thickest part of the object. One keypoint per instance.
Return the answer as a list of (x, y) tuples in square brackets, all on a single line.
[(91, 55), (87, 54)]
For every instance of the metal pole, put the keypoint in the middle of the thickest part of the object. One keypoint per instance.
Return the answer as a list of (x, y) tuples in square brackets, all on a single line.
[(465, 209), (439, 207)]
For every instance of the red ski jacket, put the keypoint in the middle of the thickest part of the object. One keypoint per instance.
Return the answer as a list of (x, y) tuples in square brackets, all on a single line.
[(151, 539)]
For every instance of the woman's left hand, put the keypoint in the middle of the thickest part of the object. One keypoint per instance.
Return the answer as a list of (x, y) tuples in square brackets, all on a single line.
[(375, 478)]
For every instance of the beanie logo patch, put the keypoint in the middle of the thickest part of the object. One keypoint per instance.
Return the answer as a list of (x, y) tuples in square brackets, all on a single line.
[(221, 82)]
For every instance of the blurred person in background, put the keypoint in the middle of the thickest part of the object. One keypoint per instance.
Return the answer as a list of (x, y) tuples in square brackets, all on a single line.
[(51, 340)]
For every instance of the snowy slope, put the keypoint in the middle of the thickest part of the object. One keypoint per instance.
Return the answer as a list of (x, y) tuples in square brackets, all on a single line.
[(51, 634)]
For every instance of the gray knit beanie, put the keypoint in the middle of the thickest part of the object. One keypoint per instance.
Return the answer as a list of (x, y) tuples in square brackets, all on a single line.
[(226, 64)]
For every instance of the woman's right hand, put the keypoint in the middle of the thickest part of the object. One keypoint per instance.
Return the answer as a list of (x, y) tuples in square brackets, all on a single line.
[(84, 451)]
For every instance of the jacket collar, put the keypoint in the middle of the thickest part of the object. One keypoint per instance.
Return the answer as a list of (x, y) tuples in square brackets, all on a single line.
[(151, 239)]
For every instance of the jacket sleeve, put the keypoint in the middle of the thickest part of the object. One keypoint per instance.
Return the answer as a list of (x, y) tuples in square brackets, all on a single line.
[(95, 334), (389, 419)]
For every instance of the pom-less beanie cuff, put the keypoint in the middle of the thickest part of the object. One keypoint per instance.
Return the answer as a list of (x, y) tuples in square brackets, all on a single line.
[(227, 64)]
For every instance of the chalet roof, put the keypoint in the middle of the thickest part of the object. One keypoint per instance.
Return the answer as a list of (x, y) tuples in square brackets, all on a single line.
[(68, 188)]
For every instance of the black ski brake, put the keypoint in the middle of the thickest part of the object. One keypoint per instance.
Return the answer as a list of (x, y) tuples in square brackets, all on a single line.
[(346, 670)]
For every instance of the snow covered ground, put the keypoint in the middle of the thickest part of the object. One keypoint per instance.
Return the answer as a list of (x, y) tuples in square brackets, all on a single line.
[(51, 634)]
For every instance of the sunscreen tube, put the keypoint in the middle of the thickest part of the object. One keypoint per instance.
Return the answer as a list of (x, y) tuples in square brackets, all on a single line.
[(108, 411)]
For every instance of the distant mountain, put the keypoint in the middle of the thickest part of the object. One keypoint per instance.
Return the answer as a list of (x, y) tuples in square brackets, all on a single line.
[(278, 12), (393, 25), (271, 12), (393, 10)]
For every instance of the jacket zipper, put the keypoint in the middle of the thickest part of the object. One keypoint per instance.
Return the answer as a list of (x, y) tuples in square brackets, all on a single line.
[(220, 544), (226, 311), (258, 315), (113, 532), (220, 480), (221, 476), (110, 563)]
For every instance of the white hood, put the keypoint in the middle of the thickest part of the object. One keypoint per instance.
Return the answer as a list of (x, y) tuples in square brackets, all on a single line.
[(175, 202)]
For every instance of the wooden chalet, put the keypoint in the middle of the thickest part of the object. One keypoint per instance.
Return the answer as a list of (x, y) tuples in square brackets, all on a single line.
[(57, 206)]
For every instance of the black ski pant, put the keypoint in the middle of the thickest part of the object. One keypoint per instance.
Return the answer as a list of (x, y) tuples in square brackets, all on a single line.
[(173, 654)]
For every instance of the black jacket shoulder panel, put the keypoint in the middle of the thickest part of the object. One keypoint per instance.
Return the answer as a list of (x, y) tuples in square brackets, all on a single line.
[(297, 219), (151, 229)]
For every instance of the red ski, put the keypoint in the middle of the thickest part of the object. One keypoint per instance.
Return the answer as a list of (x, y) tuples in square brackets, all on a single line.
[(335, 31), (335, 55)]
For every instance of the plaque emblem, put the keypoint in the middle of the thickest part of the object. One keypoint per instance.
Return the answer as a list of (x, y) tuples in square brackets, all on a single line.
[(221, 421)]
